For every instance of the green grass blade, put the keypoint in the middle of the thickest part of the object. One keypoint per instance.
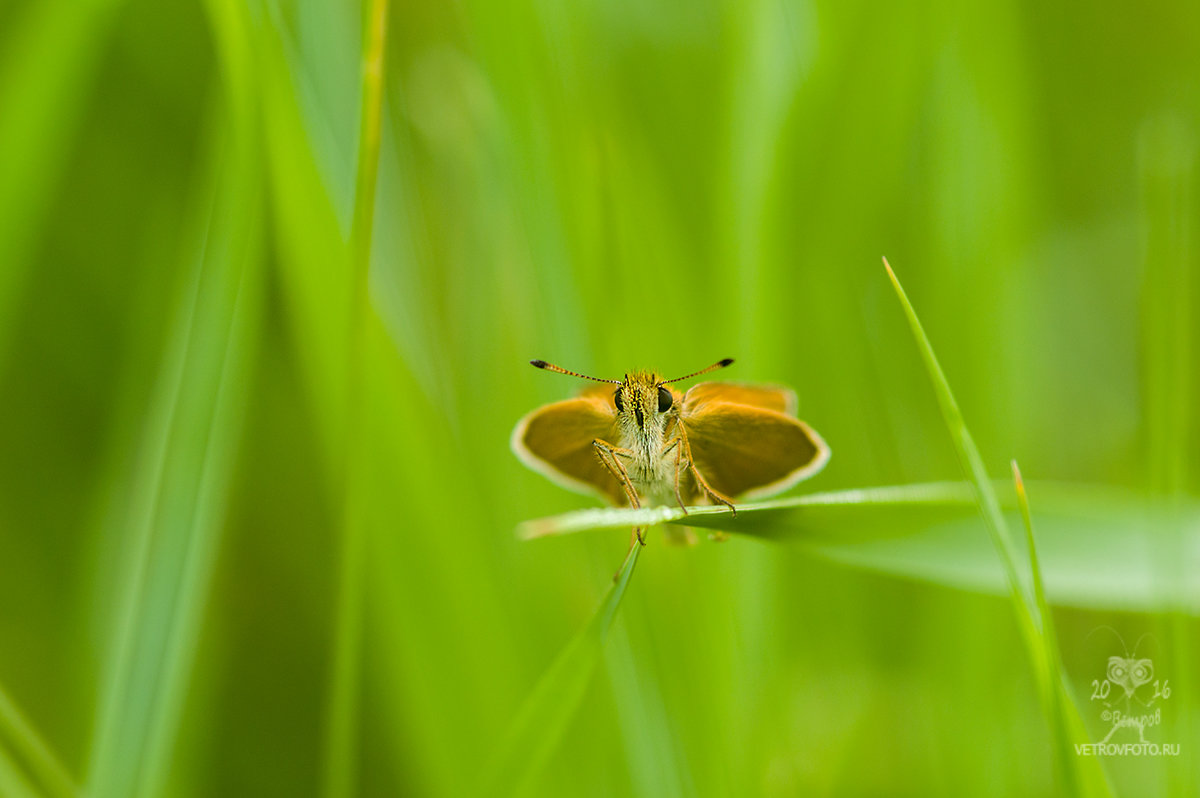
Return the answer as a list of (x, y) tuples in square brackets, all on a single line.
[(342, 739), (1166, 161), (1055, 696), (308, 238), (1039, 589), (820, 515), (1093, 551), (543, 718), (179, 493), (13, 782), (1030, 620), (46, 65), (972, 464), (191, 441), (18, 736)]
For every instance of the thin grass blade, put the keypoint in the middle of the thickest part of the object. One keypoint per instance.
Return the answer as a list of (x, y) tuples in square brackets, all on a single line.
[(178, 495), (1055, 694), (832, 514), (22, 748), (1093, 552), (971, 461), (1091, 779), (342, 734), (543, 718)]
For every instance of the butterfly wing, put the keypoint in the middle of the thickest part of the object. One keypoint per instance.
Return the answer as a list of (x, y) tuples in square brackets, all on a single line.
[(743, 449), (556, 440), (771, 397)]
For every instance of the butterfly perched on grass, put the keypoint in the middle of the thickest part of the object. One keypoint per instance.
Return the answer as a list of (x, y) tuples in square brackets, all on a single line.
[(647, 443)]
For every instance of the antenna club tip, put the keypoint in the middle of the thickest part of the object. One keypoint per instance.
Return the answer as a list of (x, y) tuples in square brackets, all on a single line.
[(539, 364), (726, 362)]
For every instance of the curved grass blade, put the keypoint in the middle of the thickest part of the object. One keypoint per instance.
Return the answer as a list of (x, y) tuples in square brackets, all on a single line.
[(816, 515), (178, 494), (1090, 776), (543, 718), (46, 66), (188, 462), (1092, 544), (1055, 694), (972, 463), (30, 754), (342, 733)]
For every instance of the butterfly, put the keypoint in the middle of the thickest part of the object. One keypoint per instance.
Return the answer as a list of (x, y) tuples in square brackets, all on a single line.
[(647, 443)]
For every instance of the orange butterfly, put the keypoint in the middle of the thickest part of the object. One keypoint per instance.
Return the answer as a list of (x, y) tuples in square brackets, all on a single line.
[(647, 443)]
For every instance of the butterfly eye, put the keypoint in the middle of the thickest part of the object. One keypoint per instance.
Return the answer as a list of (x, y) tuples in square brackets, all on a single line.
[(664, 399), (620, 402)]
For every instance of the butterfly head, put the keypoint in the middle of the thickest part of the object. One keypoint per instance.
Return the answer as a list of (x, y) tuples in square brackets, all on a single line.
[(643, 401)]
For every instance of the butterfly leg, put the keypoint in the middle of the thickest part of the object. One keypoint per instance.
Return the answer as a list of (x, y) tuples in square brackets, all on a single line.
[(713, 495), (610, 456), (680, 467)]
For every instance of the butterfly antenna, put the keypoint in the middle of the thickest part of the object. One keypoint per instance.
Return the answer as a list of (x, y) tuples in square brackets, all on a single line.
[(720, 364), (541, 364)]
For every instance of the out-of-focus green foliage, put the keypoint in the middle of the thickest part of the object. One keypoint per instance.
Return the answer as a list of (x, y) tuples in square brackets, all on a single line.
[(606, 186)]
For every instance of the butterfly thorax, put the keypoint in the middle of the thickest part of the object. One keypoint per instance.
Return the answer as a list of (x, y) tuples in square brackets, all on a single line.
[(646, 422)]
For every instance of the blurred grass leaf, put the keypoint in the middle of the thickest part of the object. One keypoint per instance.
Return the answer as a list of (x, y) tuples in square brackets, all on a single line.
[(179, 492), (1090, 558), (1166, 161), (23, 753), (13, 782), (309, 241), (341, 771), (45, 66), (543, 718)]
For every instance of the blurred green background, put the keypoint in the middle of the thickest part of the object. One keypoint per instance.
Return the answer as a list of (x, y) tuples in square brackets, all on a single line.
[(606, 185)]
